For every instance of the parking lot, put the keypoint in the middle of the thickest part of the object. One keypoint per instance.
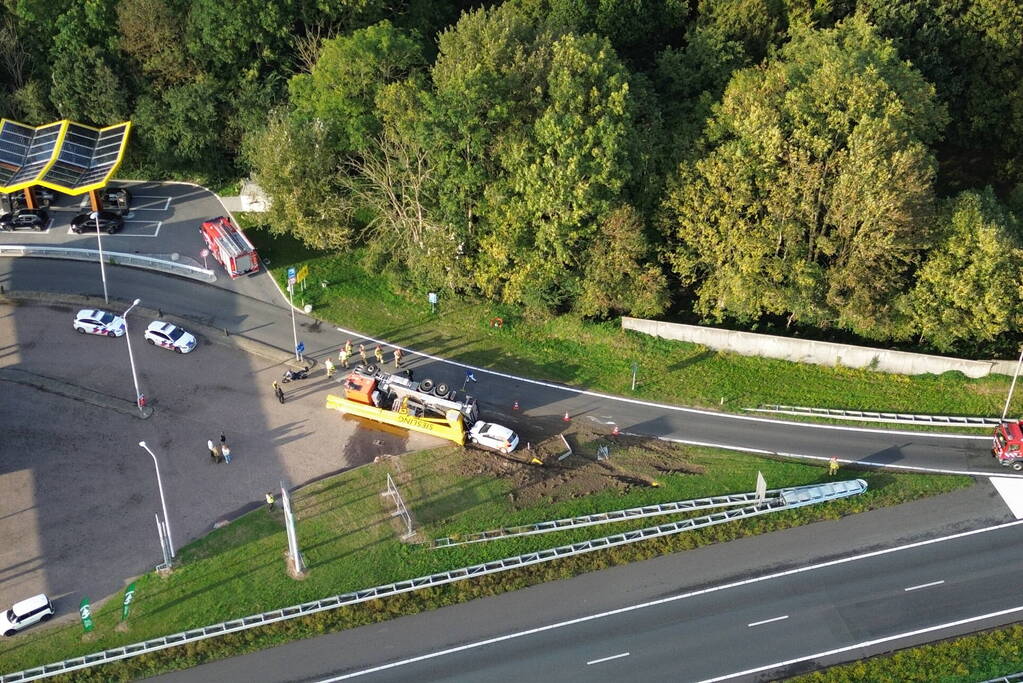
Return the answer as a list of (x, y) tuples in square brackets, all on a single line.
[(80, 494)]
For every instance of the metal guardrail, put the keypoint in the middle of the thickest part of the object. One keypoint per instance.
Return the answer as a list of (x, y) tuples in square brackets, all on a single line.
[(660, 509), (821, 493), (114, 258), (877, 416), (1006, 679)]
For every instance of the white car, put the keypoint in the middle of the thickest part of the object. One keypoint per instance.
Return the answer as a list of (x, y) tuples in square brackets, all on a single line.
[(93, 321), (25, 613), (160, 333), (490, 435)]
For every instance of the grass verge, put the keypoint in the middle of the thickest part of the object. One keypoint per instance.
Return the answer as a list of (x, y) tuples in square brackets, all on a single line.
[(349, 541), (600, 355)]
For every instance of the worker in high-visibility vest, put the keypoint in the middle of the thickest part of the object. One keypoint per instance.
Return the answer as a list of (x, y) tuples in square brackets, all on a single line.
[(379, 353), (362, 353), (329, 367), (833, 466), (397, 358), (343, 357)]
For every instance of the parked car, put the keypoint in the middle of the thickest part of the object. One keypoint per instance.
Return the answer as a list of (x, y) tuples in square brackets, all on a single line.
[(93, 321), (109, 222), (25, 219), (160, 333), (25, 613), (494, 436)]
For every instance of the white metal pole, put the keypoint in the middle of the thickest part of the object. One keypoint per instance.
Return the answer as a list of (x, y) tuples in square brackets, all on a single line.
[(1012, 386), (131, 357), (102, 266), (163, 501), (294, 329)]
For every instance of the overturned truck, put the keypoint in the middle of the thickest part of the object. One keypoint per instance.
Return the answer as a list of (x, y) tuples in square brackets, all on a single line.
[(427, 406)]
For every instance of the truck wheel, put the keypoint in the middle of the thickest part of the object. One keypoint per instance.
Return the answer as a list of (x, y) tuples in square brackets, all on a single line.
[(426, 385), (442, 389), (371, 369), (1017, 465)]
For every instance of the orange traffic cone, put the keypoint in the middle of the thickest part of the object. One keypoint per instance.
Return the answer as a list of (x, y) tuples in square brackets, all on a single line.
[(566, 418), (515, 406), (615, 431)]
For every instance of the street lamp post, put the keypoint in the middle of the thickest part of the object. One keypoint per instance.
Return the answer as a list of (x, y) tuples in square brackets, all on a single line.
[(102, 266), (131, 357), (1005, 411), (163, 501)]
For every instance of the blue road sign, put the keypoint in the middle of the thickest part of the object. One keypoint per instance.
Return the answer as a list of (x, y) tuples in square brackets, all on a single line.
[(301, 347), (291, 273)]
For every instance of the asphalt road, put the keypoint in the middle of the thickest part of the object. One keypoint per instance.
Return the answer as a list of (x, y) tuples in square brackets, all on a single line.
[(694, 615), (263, 316)]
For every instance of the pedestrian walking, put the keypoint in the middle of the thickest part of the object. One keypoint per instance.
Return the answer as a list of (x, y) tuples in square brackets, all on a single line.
[(343, 357), (213, 451), (329, 366), (226, 453), (348, 347), (379, 353), (833, 466), (270, 501), (397, 358), (362, 353)]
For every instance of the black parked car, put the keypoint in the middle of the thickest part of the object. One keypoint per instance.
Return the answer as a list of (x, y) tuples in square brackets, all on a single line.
[(109, 222), (25, 219)]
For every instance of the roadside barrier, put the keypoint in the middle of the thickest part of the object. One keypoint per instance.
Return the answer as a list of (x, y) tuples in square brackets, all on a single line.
[(114, 258), (791, 498)]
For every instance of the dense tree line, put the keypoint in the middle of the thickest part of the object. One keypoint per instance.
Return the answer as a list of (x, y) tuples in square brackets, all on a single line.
[(851, 164)]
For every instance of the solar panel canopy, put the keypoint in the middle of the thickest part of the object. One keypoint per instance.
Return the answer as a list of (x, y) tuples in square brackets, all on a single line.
[(66, 156)]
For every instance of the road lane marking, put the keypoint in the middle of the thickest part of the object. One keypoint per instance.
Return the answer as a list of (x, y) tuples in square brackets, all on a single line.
[(607, 659), (766, 621), (683, 596), (924, 585)]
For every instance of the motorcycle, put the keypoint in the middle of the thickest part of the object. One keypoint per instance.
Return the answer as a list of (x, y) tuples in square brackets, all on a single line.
[(294, 374)]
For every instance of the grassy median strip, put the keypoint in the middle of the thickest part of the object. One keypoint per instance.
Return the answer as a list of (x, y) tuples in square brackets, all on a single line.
[(350, 540), (599, 356)]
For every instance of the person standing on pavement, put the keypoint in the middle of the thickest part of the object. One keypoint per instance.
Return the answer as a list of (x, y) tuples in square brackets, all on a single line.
[(213, 451), (397, 357), (362, 353), (279, 393), (270, 501), (348, 347), (329, 367), (343, 357), (379, 353)]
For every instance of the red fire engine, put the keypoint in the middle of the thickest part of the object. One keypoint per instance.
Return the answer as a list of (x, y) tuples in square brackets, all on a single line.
[(1008, 445), (230, 246)]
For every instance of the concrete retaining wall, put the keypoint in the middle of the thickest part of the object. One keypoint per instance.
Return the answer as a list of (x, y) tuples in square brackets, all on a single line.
[(818, 352)]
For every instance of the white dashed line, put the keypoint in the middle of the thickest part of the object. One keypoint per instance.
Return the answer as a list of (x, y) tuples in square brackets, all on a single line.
[(607, 659), (924, 585), (766, 621)]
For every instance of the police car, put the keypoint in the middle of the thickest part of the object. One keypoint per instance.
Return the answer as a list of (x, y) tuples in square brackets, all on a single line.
[(93, 321), (160, 333), (494, 436)]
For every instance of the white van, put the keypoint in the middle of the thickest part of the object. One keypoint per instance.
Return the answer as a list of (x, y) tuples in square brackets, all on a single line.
[(25, 613)]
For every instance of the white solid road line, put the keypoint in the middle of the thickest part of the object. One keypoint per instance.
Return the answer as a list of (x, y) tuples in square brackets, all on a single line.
[(924, 585), (766, 621), (665, 406), (607, 659), (704, 591)]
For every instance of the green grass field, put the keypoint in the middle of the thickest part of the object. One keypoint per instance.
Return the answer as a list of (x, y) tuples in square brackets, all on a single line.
[(599, 356), (350, 541)]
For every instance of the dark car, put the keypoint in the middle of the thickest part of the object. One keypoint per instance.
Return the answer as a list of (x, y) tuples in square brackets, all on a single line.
[(25, 219), (109, 222)]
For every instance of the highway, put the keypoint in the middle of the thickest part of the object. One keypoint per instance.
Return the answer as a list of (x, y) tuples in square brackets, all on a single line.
[(691, 636)]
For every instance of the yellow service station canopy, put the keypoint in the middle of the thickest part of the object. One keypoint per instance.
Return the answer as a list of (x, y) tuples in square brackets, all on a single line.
[(66, 156)]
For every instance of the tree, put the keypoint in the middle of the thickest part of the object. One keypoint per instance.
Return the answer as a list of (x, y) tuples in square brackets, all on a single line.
[(341, 89), (183, 126), (151, 33), (968, 288), (814, 197)]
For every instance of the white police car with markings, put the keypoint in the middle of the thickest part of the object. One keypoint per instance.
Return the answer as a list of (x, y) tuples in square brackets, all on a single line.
[(169, 336), (95, 321)]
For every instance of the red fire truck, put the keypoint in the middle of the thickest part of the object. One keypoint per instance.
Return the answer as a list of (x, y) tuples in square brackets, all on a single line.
[(1008, 445), (230, 246)]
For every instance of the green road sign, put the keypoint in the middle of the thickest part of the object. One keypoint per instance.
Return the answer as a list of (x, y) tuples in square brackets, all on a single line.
[(86, 612), (129, 595)]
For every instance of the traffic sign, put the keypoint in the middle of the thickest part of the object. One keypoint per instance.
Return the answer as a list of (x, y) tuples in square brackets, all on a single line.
[(300, 348), (291, 276), (302, 273)]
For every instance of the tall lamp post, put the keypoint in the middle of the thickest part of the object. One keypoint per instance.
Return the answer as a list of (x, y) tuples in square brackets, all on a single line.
[(102, 266), (1005, 411), (131, 357), (163, 501)]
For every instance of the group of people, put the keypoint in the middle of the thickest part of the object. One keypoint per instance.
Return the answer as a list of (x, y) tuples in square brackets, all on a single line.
[(346, 353), (219, 453)]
